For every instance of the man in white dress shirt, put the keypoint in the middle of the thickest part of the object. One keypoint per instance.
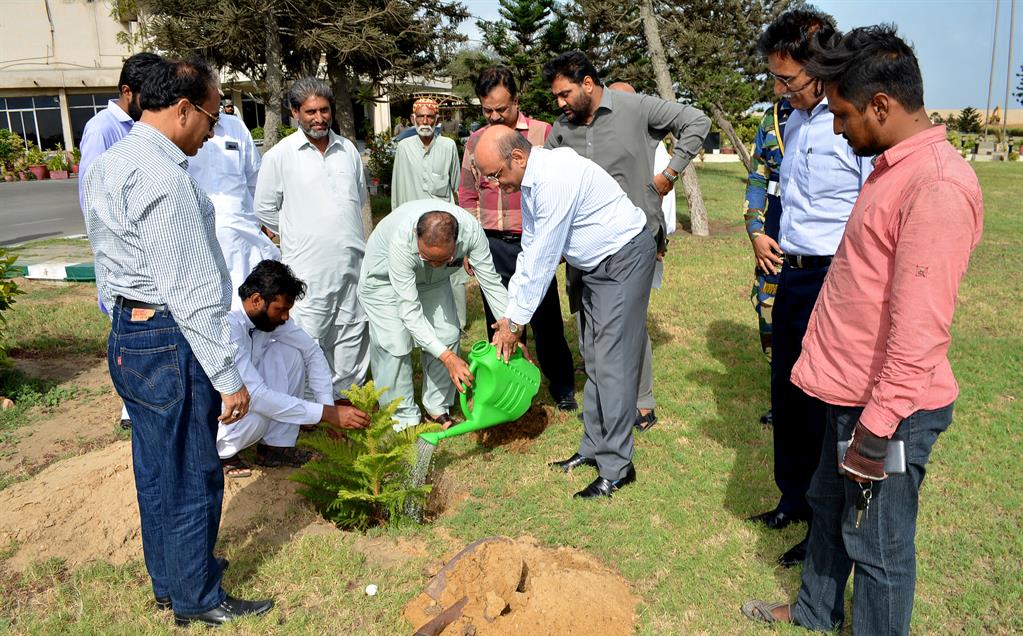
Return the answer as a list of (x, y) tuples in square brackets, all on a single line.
[(572, 208), (226, 168), (277, 361), (310, 191)]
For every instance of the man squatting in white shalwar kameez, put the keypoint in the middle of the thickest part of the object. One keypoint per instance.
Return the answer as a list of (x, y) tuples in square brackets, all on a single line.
[(311, 190), (226, 168), (410, 303), (279, 364)]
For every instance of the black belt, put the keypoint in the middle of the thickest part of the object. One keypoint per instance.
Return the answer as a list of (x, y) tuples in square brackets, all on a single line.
[(138, 304), (507, 237), (798, 261)]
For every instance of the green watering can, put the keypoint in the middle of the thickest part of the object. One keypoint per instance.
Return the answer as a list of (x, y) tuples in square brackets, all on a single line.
[(500, 393)]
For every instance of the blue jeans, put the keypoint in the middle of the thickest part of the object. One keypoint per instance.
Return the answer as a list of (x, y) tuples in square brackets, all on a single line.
[(883, 547), (178, 477)]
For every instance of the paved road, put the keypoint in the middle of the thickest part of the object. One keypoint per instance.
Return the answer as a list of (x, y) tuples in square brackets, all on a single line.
[(33, 210)]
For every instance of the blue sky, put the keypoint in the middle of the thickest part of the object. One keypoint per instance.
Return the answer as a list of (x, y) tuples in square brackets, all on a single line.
[(952, 39)]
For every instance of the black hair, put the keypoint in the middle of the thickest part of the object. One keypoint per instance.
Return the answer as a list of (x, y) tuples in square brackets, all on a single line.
[(271, 279), (308, 87), (437, 228), (170, 81), (573, 66), (493, 77), (871, 60), (135, 70), (798, 33)]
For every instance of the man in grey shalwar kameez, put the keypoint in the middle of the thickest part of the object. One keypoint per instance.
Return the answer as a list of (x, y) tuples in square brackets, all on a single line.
[(404, 288)]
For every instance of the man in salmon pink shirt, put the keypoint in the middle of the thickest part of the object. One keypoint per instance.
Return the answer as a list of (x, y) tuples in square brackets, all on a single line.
[(876, 346)]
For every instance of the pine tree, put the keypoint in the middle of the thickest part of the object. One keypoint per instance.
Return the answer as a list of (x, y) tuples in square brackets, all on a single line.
[(361, 479)]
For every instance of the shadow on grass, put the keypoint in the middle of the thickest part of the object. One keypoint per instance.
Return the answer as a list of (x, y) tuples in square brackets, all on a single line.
[(741, 394)]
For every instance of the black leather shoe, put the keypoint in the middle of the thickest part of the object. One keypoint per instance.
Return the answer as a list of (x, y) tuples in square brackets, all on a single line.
[(126, 425), (573, 462), (767, 419), (567, 403), (775, 519), (164, 602), (231, 609), (794, 556), (604, 487)]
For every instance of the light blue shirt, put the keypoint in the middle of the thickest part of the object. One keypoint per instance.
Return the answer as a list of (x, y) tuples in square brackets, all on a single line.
[(820, 180), (571, 207), (104, 129)]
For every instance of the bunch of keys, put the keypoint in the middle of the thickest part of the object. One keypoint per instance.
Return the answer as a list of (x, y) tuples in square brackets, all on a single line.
[(866, 492)]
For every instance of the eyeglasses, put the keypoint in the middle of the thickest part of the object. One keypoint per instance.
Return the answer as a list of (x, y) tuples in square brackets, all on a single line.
[(437, 263), (213, 120), (785, 81), (492, 178)]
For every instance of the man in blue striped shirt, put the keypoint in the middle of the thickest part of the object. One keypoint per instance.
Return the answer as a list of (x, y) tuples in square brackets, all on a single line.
[(573, 209), (161, 272)]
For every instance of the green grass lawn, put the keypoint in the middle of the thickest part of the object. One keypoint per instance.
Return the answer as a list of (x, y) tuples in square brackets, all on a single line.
[(678, 534)]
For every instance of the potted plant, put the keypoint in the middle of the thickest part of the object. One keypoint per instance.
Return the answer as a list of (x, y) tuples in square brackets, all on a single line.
[(35, 159), (75, 158), (58, 164)]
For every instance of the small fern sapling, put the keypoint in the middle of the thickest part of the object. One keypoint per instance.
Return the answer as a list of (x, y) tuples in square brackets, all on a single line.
[(361, 479)]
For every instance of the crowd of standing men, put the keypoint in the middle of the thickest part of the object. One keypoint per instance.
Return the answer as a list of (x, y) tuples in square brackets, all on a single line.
[(183, 213)]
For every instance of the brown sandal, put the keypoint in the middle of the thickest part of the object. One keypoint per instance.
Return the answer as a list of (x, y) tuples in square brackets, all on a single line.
[(443, 419), (236, 468), (763, 612)]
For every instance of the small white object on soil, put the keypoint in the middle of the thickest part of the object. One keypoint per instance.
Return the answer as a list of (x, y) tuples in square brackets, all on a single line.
[(371, 589)]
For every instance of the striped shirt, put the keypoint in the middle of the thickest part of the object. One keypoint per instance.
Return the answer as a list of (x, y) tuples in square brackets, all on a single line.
[(571, 207), (152, 232)]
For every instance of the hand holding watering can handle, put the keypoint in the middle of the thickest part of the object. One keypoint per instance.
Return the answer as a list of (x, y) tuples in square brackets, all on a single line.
[(464, 395)]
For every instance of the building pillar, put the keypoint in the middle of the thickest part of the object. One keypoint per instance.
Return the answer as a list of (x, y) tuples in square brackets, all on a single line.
[(65, 119), (381, 112)]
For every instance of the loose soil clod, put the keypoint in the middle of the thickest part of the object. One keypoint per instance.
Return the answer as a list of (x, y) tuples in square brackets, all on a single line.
[(517, 587)]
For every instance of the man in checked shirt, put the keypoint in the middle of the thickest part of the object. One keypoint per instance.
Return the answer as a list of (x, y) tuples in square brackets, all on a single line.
[(161, 272)]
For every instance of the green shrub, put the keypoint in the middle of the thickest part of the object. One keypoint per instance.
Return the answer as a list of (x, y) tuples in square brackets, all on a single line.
[(381, 156), (34, 156), (59, 160), (8, 290), (12, 148), (361, 480)]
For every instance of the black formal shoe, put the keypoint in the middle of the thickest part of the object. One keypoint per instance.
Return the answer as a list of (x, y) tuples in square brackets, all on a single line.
[(767, 419), (231, 609), (164, 602), (567, 403), (604, 487), (794, 556), (775, 519), (573, 462), (126, 425)]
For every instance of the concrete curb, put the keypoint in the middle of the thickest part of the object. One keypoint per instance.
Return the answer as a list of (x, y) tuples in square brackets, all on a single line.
[(71, 272)]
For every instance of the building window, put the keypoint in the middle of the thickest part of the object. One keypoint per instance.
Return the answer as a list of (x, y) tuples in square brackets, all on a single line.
[(82, 108), (253, 112), (35, 119)]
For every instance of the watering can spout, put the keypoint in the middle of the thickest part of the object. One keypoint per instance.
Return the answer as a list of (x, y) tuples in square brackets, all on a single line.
[(502, 392)]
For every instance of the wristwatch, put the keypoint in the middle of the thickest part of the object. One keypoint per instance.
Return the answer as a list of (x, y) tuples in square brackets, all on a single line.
[(512, 327), (672, 178)]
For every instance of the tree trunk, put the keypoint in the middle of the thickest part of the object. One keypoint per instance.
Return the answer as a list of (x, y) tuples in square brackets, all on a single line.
[(721, 119), (690, 184), (344, 115), (273, 83), (344, 112)]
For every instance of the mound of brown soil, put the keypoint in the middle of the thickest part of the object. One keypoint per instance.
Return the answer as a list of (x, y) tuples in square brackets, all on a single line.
[(517, 587), (85, 508)]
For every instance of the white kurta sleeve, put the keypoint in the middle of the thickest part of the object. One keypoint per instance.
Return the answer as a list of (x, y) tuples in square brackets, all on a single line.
[(269, 195), (401, 269), (275, 405), (317, 372)]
